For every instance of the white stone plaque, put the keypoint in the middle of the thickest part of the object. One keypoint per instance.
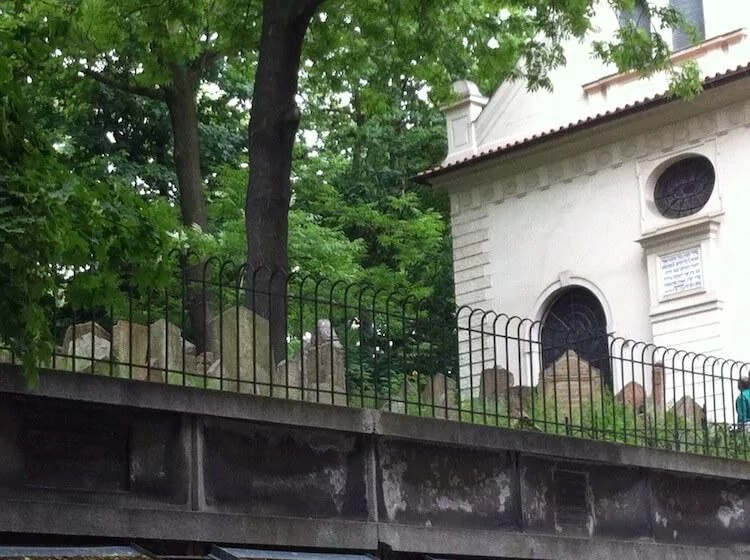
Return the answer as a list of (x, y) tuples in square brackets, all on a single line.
[(681, 271)]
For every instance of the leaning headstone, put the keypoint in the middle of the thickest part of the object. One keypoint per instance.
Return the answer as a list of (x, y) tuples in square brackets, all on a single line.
[(80, 329), (84, 341), (6, 356), (632, 396), (572, 382), (203, 362), (242, 340), (323, 366), (519, 402), (403, 400), (287, 380), (495, 383), (688, 411), (130, 348), (440, 392), (213, 379), (657, 386), (165, 351)]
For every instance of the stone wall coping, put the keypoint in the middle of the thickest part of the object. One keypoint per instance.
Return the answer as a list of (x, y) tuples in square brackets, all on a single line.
[(347, 535)]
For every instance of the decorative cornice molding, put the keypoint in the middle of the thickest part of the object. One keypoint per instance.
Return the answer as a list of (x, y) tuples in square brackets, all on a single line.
[(704, 303), (659, 142), (697, 229)]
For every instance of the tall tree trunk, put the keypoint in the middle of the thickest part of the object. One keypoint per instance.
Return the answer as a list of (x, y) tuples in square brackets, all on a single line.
[(274, 119), (183, 113)]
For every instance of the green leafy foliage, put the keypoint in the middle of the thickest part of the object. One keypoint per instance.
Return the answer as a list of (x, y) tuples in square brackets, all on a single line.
[(54, 221), (87, 169)]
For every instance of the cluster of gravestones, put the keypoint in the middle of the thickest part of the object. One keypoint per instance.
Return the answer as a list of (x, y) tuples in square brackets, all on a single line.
[(571, 383), (240, 359)]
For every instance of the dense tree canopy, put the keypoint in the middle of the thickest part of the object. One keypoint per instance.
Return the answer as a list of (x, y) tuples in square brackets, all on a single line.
[(124, 136)]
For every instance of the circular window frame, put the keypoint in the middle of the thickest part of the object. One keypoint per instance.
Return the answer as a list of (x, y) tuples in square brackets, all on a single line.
[(689, 183)]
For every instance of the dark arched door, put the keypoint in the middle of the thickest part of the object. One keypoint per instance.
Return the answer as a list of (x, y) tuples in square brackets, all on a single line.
[(575, 321)]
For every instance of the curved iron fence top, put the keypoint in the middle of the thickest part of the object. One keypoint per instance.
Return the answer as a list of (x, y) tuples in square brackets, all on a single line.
[(362, 344)]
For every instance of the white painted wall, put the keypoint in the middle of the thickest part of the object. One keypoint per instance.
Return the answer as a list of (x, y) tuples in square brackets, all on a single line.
[(525, 227)]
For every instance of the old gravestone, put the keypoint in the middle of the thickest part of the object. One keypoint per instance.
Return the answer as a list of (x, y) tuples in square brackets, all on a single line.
[(130, 347), (572, 382), (165, 351), (405, 399), (657, 386), (689, 411), (80, 329), (287, 379), (441, 392), (318, 372), (203, 362), (84, 341), (632, 396), (519, 401), (6, 356), (242, 341), (495, 383)]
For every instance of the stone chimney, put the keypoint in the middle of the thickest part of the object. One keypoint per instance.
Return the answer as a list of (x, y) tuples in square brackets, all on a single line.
[(460, 118)]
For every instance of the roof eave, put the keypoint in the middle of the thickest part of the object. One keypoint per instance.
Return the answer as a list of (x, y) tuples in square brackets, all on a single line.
[(715, 81)]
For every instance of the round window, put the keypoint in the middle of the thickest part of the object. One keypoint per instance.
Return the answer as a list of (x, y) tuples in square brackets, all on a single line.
[(684, 187)]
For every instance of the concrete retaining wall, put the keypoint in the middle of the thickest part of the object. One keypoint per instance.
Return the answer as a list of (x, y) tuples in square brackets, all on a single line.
[(96, 457)]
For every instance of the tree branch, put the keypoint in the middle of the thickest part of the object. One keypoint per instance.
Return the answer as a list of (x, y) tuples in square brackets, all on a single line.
[(204, 61), (305, 9), (144, 91)]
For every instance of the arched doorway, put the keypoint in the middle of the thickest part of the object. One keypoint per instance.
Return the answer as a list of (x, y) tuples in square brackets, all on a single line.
[(575, 320)]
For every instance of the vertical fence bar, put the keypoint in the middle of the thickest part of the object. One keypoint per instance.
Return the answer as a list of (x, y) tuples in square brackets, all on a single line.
[(519, 368), (183, 328), (332, 358), (167, 330), (316, 338), (111, 357), (366, 383), (432, 358), (507, 368), (388, 357), (411, 329), (55, 318)]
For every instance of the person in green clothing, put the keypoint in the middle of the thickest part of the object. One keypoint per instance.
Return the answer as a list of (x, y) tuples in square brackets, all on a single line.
[(742, 404)]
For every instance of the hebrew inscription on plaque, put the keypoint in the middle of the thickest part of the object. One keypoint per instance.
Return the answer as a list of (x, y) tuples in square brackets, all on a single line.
[(681, 272)]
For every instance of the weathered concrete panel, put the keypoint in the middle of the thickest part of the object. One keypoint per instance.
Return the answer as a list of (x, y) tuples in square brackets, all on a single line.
[(583, 500), (12, 468), (60, 451), (537, 494), (443, 486), (282, 471), (159, 462), (700, 511), (621, 502)]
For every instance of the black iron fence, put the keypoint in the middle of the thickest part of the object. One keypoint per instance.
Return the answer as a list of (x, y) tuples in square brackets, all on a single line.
[(298, 337)]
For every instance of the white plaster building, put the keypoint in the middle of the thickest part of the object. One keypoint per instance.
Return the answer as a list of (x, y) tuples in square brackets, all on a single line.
[(605, 188)]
